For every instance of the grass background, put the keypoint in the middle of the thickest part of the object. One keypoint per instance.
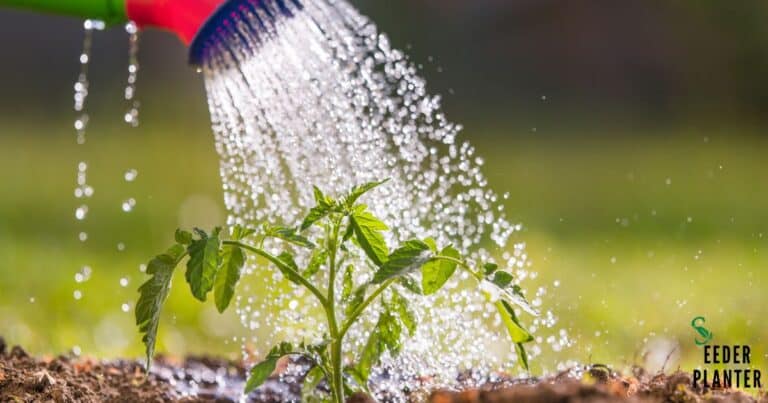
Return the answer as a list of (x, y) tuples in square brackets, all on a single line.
[(642, 234)]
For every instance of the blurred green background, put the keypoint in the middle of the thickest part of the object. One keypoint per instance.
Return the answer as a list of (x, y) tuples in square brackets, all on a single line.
[(630, 135)]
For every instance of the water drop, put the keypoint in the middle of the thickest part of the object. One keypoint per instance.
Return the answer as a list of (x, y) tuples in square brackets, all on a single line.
[(81, 212), (130, 175)]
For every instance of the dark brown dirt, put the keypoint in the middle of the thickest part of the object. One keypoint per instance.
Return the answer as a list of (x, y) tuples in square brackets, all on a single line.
[(598, 384), (66, 379)]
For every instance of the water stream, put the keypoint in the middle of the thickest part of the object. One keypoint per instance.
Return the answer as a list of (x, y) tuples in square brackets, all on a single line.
[(326, 100)]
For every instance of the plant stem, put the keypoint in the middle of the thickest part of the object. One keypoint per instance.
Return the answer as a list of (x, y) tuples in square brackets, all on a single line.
[(274, 260), (337, 375)]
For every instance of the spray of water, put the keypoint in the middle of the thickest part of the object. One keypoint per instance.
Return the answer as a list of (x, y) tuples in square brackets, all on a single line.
[(325, 100)]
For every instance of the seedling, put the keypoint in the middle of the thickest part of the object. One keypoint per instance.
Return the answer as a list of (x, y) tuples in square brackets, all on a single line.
[(343, 231)]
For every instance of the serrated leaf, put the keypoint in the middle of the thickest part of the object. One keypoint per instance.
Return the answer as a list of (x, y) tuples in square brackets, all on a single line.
[(203, 264), (319, 256), (313, 378), (410, 284), (432, 244), (360, 190), (384, 336), (490, 268), (435, 273), (367, 229), (238, 232), (232, 262), (288, 260), (405, 259), (289, 235), (315, 214), (261, 371), (183, 237), (407, 317), (321, 199), (390, 329), (153, 294), (348, 233), (502, 279), (357, 298), (347, 283)]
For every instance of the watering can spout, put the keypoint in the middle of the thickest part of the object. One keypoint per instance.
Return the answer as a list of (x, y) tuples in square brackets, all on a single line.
[(182, 17)]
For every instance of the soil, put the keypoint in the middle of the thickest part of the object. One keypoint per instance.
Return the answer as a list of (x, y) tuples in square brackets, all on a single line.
[(69, 379)]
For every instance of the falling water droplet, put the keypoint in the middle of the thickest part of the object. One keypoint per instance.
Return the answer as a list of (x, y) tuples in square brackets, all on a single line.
[(132, 115), (130, 175), (128, 205), (81, 212)]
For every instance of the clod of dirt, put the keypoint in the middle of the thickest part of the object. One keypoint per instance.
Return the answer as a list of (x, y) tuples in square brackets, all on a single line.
[(41, 380)]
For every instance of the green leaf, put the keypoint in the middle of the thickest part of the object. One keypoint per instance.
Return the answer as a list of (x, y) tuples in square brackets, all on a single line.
[(514, 328), (357, 298), (313, 378), (287, 259), (238, 232), (410, 284), (261, 371), (319, 256), (153, 294), (348, 283), (360, 190), (232, 262), (516, 331), (203, 264), (385, 336), (324, 207), (432, 244), (405, 259), (502, 279), (348, 233), (522, 355), (435, 273), (289, 235), (183, 237), (315, 214), (367, 230), (407, 317), (490, 268)]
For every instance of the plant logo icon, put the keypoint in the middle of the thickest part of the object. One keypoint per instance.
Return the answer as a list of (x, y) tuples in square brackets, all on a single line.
[(697, 325)]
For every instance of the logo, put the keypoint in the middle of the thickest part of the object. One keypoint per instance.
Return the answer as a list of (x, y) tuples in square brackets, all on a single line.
[(706, 335), (733, 362)]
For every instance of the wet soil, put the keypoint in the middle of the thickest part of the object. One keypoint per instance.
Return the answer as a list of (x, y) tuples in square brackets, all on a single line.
[(67, 379)]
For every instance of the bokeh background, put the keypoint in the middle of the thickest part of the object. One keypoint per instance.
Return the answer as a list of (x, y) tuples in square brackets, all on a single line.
[(630, 135)]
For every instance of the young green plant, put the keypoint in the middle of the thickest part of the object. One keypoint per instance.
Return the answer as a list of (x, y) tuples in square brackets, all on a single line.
[(336, 232)]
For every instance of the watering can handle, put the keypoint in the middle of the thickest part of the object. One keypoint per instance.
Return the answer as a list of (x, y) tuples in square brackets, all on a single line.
[(109, 11)]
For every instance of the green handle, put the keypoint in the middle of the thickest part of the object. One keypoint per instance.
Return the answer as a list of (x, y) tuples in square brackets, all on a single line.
[(109, 11)]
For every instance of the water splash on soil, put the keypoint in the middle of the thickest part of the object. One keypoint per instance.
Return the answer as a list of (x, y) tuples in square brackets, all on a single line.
[(327, 101)]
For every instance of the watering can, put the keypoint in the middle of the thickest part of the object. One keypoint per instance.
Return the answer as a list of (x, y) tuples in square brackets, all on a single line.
[(195, 22)]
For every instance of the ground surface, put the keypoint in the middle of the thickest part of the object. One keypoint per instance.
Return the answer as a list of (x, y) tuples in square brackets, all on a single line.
[(63, 379)]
